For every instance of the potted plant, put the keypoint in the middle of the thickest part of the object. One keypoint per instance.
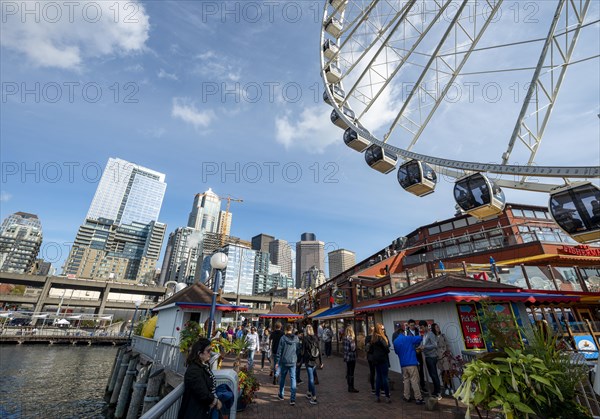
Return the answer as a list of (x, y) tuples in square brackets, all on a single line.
[(248, 385), (189, 335)]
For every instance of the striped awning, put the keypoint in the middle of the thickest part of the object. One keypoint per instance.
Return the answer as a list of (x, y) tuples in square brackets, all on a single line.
[(343, 315), (317, 312), (333, 311), (453, 296)]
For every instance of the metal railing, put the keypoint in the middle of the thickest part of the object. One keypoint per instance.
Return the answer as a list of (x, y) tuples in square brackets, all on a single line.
[(165, 353)]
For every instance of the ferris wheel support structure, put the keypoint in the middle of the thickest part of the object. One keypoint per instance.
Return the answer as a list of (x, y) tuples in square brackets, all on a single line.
[(542, 93)]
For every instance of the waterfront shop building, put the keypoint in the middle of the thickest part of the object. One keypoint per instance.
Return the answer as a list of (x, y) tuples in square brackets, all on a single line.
[(190, 304), (522, 247)]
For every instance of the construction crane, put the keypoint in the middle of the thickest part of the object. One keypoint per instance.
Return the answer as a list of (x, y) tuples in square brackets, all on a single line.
[(225, 221)]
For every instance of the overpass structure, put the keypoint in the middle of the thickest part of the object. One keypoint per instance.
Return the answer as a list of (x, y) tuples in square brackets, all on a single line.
[(150, 295)]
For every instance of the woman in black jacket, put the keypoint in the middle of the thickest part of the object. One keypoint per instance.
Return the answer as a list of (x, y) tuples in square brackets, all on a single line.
[(380, 347), (199, 397)]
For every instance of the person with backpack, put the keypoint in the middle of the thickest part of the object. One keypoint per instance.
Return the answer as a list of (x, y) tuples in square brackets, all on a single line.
[(285, 360), (310, 355)]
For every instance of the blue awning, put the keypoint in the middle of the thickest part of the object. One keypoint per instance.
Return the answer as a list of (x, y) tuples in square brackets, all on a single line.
[(334, 310)]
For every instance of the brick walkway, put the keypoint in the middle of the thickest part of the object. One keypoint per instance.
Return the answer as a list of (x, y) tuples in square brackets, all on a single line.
[(334, 399)]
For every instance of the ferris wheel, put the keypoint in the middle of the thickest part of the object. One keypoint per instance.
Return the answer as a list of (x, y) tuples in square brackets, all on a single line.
[(371, 47)]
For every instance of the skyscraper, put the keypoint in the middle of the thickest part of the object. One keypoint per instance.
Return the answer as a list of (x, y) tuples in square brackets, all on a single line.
[(121, 237), (20, 241), (181, 256), (128, 193), (309, 252), (239, 274), (261, 242), (206, 212), (281, 255), (339, 261)]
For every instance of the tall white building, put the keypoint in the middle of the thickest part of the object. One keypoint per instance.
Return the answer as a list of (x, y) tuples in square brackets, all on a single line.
[(339, 261), (239, 274), (128, 193), (121, 237), (281, 255), (20, 241)]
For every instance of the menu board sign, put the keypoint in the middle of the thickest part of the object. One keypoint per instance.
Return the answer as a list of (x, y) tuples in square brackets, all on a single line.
[(471, 329)]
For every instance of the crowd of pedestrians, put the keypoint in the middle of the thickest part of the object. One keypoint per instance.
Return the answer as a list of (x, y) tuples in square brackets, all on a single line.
[(420, 350)]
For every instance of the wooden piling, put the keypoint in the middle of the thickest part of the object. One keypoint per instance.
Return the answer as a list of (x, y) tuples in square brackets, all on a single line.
[(115, 371), (110, 385), (139, 388), (154, 382), (122, 370), (126, 387)]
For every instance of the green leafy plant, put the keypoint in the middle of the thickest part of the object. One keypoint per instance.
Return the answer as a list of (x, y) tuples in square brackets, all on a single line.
[(191, 332), (498, 328), (518, 384), (248, 385)]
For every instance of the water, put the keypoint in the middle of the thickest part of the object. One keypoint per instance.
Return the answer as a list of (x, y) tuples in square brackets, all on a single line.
[(54, 381)]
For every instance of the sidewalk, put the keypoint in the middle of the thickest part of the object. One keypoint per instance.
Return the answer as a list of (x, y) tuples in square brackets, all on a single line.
[(334, 399)]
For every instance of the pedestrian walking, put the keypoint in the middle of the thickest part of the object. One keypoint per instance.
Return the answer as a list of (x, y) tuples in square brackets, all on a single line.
[(274, 339), (350, 357), (310, 356), (445, 358), (380, 347), (369, 351), (404, 345), (265, 347), (327, 338), (430, 351), (300, 335), (286, 360), (253, 346)]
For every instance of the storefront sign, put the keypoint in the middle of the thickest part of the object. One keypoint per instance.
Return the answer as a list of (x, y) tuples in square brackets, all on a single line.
[(471, 329), (582, 250)]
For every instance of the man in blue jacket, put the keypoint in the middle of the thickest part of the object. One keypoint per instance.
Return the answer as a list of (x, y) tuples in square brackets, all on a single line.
[(286, 360), (404, 345)]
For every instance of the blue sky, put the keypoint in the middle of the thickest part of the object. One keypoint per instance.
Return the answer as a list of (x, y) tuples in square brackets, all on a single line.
[(210, 92)]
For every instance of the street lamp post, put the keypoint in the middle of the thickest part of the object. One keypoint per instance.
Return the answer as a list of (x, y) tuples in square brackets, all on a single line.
[(137, 306), (218, 262)]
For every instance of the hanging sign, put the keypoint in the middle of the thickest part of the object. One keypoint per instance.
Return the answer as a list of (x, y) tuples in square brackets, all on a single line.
[(471, 329)]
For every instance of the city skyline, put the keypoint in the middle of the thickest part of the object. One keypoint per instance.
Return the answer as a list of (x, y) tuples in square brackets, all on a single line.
[(210, 100)]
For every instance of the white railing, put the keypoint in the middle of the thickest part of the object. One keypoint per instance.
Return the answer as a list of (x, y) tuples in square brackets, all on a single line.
[(161, 351)]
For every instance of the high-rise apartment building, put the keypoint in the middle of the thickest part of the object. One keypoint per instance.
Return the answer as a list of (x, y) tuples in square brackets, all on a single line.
[(105, 250), (281, 255), (128, 193), (339, 261), (20, 241), (261, 242), (121, 237), (261, 272), (309, 252)]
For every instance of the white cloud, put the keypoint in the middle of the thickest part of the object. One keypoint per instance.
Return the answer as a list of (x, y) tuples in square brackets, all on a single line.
[(218, 66), (311, 131), (63, 35), (185, 109), (162, 74), (5, 196)]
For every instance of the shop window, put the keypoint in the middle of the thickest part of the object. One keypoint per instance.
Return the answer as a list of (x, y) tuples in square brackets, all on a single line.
[(387, 289), (379, 292), (529, 213), (446, 227), (460, 223), (541, 215), (517, 213)]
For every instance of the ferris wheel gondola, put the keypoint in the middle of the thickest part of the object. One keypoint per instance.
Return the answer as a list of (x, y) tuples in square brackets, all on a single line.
[(340, 122), (576, 209), (479, 196), (417, 178), (355, 140), (380, 159)]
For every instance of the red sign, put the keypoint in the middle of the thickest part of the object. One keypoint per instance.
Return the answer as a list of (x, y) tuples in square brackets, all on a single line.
[(471, 329), (582, 250)]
